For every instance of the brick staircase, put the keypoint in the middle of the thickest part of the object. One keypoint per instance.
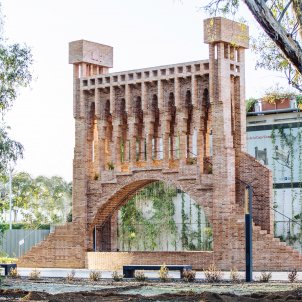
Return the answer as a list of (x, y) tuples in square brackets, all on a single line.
[(62, 248), (269, 253)]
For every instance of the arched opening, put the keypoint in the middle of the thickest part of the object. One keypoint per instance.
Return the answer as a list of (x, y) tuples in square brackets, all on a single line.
[(121, 110), (156, 154), (107, 116), (207, 124), (191, 155), (158, 217), (92, 140), (139, 124), (173, 138)]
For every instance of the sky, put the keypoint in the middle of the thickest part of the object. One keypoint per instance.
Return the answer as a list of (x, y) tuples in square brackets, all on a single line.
[(143, 33)]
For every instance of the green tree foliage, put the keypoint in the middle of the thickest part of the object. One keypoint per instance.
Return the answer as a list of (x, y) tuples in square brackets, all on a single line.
[(279, 45), (40, 200), (10, 150), (15, 62)]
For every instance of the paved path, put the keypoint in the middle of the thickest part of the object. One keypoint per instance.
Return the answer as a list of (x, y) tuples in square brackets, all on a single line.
[(84, 273)]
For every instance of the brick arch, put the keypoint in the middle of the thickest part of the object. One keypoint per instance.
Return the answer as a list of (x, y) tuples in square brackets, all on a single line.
[(122, 193)]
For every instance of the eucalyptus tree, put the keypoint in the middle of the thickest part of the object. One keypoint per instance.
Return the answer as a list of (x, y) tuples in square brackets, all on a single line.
[(37, 201), (50, 201), (15, 62), (279, 46)]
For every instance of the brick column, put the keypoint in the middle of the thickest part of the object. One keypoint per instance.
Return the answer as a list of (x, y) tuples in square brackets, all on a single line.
[(194, 91), (102, 160), (200, 150), (182, 132), (80, 173), (116, 145), (132, 139), (223, 152), (149, 137), (165, 129), (113, 229)]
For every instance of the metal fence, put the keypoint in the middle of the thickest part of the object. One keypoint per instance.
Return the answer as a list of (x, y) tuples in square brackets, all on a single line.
[(16, 243)]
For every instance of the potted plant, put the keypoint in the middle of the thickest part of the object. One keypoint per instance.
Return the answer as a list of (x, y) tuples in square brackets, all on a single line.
[(277, 98)]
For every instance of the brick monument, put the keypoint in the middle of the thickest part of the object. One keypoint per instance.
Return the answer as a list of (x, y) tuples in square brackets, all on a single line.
[(136, 127)]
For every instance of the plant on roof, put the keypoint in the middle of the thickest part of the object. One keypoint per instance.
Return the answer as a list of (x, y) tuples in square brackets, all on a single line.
[(277, 93), (250, 103)]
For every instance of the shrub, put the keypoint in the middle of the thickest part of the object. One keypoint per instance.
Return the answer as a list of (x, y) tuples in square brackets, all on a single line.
[(34, 274), (163, 273), (116, 276), (265, 276), (140, 276), (250, 103), (235, 276), (7, 260), (110, 165), (70, 276), (212, 274), (13, 273), (188, 275), (292, 276), (95, 275)]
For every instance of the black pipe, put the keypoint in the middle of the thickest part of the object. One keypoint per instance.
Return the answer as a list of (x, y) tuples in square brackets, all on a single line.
[(248, 235)]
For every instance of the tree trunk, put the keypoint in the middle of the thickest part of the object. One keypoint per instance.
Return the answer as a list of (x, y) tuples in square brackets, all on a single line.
[(290, 48), (297, 11)]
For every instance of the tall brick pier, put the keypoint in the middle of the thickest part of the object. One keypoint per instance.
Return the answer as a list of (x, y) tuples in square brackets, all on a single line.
[(136, 127)]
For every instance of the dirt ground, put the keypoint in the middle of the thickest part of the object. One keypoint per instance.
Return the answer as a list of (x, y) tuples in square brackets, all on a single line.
[(187, 292), (112, 295)]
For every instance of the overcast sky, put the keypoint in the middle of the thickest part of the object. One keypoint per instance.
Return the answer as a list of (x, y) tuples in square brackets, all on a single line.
[(144, 33)]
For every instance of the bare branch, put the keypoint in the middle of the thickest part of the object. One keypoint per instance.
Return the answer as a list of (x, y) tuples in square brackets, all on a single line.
[(297, 86), (284, 11)]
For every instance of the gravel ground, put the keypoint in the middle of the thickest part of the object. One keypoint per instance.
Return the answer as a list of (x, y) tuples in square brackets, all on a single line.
[(80, 290)]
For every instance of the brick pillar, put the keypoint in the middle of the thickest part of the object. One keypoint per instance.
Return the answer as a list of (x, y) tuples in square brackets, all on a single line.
[(200, 150), (219, 33), (190, 141), (80, 173), (126, 147), (239, 98), (165, 129), (132, 139), (102, 160), (149, 137), (114, 228), (116, 147), (223, 151), (194, 91), (182, 133)]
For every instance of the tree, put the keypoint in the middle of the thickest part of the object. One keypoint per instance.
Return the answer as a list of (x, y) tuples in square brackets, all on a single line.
[(15, 62), (50, 201), (10, 150), (280, 47), (40, 200)]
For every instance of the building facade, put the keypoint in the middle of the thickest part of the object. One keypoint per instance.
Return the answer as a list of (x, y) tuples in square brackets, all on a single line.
[(274, 137)]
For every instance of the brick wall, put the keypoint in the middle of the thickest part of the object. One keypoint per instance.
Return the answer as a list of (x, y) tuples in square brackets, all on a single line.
[(250, 171)]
